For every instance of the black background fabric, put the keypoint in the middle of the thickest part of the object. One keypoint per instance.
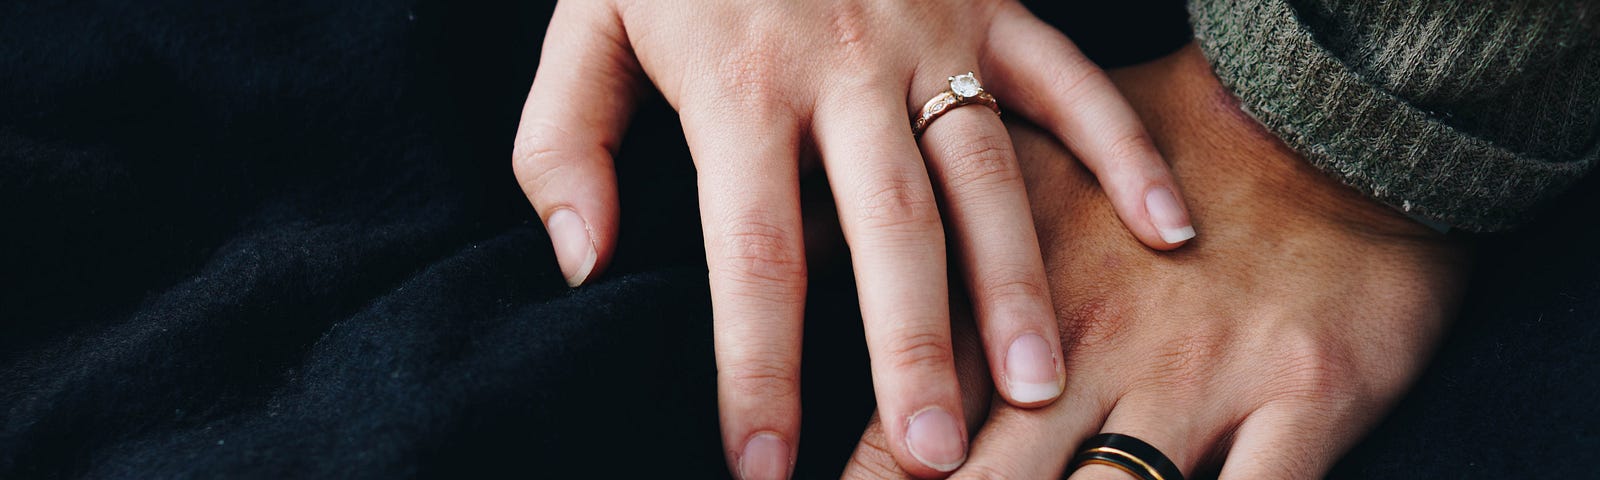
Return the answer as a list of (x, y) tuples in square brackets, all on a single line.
[(282, 239)]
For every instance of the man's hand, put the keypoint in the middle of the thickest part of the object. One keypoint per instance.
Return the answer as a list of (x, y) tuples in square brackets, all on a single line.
[(1265, 350)]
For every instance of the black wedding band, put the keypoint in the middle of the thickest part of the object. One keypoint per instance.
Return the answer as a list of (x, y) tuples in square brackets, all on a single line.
[(1128, 454)]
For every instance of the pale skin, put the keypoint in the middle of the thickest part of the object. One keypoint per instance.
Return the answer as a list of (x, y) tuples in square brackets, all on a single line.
[(761, 85), (1263, 351)]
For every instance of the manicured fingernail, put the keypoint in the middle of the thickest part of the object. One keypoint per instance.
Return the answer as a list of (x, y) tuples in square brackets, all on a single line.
[(1031, 370), (934, 439), (1168, 215), (765, 457), (574, 247)]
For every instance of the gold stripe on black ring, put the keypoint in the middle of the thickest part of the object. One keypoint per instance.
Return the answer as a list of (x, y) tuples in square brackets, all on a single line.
[(1119, 460), (1128, 454)]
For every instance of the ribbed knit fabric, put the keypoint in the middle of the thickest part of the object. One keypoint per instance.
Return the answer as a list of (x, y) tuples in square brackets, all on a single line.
[(1466, 113)]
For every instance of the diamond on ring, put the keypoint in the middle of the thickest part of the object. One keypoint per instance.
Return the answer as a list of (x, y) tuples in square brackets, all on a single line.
[(964, 90), (965, 85)]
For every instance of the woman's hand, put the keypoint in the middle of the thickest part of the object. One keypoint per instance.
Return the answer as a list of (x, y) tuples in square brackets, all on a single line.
[(760, 84), (1265, 350)]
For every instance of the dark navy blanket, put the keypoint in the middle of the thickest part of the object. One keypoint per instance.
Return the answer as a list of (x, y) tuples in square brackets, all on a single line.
[(282, 239)]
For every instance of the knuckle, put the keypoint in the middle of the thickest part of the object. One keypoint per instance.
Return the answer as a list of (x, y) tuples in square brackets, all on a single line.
[(541, 142), (920, 351), (1135, 144), (873, 460), (764, 259), (1312, 372), (535, 152), (1010, 286), (538, 169), (531, 149), (900, 200), (763, 378), (1311, 377), (548, 154), (1072, 77), (848, 25), (536, 164), (752, 77), (984, 159)]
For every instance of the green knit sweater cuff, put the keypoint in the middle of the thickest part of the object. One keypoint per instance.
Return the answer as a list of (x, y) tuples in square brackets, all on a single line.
[(1369, 138)]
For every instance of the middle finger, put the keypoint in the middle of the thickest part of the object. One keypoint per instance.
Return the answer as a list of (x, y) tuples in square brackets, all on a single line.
[(891, 224)]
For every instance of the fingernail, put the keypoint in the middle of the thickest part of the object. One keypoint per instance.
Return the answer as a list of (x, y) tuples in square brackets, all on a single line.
[(1168, 215), (765, 457), (1031, 370), (934, 439), (574, 247)]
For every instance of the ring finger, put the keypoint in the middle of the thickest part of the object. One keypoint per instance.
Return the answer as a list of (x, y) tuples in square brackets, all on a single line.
[(985, 202), (1177, 430)]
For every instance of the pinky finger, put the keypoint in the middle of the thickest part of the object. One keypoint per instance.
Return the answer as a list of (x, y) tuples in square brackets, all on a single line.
[(1287, 441), (1046, 79)]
